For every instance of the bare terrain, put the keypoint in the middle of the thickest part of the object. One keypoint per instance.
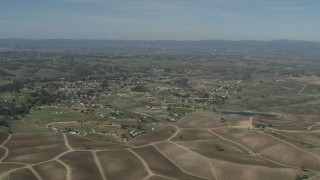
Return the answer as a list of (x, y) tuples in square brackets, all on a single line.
[(177, 151)]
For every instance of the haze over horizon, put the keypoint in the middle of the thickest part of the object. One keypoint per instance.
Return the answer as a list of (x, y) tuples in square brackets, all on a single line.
[(160, 20)]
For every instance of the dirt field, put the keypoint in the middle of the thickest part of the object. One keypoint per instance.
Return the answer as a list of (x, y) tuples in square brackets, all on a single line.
[(235, 118), (284, 124), (82, 164), (160, 164), (310, 79), (51, 170), (194, 148), (3, 137), (117, 167), (22, 174), (28, 148), (194, 134), (2, 152), (201, 119), (188, 160), (303, 118), (312, 137), (81, 143), (271, 148), (233, 171), (236, 158), (212, 145), (4, 167), (156, 177)]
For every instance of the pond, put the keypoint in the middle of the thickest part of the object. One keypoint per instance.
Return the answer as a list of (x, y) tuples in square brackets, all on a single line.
[(250, 114)]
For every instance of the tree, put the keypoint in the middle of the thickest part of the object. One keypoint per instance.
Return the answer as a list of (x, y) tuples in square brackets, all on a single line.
[(105, 84), (219, 148), (140, 88), (182, 82)]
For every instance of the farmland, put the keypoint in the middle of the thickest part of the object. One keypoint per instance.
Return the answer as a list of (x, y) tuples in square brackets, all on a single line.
[(207, 156), (158, 116)]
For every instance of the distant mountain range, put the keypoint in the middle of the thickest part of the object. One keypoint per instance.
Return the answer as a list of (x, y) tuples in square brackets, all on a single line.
[(290, 48), (157, 43)]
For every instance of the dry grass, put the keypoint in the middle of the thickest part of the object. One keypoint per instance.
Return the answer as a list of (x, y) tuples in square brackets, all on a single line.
[(35, 147), (23, 140), (82, 165), (212, 145), (188, 160), (315, 151), (51, 170), (155, 177), (160, 164), (292, 140), (32, 136), (233, 171), (3, 137), (194, 134), (81, 143), (303, 118), (122, 164), (202, 119), (231, 153), (22, 174), (2, 152), (236, 158), (271, 148), (284, 124), (156, 136), (313, 137), (5, 167), (32, 157), (309, 79), (235, 118)]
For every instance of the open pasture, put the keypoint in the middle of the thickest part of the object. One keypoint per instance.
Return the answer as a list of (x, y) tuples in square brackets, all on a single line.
[(2, 152), (51, 170), (226, 151), (235, 118), (157, 177), (271, 148), (187, 160), (5, 167), (122, 164), (161, 165), (83, 165), (307, 79), (213, 145), (194, 134), (49, 115), (201, 119), (302, 118), (3, 137), (82, 143), (294, 141), (283, 124), (34, 148), (22, 174), (236, 158), (311, 137), (234, 171)]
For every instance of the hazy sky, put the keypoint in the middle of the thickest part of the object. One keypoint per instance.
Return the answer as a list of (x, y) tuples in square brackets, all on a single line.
[(161, 19)]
